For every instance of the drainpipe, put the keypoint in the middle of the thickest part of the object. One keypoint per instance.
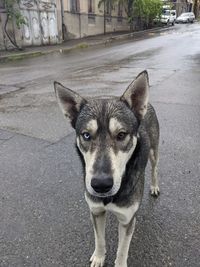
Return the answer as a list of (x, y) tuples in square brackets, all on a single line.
[(104, 17), (79, 18), (62, 19)]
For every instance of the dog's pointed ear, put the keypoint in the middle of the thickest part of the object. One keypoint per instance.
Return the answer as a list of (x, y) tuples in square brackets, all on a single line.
[(69, 102), (136, 95)]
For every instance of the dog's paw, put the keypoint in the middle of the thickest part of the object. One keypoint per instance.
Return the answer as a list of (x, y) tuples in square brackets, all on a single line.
[(97, 260), (155, 191)]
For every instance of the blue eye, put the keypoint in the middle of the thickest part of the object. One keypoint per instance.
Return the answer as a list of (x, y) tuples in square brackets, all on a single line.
[(86, 136)]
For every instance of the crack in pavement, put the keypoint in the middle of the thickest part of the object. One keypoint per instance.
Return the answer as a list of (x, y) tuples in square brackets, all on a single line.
[(6, 89)]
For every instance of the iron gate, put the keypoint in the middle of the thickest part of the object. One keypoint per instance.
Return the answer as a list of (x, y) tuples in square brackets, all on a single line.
[(41, 22)]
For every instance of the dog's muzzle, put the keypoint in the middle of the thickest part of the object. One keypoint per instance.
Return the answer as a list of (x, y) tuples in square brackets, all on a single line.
[(102, 183)]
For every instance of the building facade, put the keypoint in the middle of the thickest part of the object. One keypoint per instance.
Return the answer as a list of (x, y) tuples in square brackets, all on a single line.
[(181, 6), (54, 21), (86, 17)]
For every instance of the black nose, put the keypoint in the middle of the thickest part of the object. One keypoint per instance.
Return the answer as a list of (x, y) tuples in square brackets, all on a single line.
[(102, 184)]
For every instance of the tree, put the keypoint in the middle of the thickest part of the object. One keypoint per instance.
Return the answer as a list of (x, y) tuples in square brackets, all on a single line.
[(13, 14), (128, 6), (147, 11), (196, 8)]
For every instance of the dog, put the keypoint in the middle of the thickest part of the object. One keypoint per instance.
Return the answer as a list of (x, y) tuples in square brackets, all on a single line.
[(115, 137)]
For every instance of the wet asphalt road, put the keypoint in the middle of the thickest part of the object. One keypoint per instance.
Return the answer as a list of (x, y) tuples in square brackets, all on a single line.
[(44, 220)]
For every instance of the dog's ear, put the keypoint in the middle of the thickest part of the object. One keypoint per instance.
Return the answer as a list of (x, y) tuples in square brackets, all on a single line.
[(69, 102), (136, 95)]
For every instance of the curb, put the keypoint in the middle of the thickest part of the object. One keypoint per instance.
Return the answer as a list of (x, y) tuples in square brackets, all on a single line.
[(84, 44)]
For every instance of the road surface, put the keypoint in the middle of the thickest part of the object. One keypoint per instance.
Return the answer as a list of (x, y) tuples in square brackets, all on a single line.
[(44, 220)]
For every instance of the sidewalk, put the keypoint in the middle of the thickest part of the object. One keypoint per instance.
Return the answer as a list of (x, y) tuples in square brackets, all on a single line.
[(87, 42)]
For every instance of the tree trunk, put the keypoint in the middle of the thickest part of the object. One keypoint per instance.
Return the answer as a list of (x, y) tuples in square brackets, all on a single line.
[(13, 42)]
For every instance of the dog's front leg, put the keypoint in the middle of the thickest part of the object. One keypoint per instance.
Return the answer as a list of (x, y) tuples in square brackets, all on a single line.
[(125, 235), (98, 257)]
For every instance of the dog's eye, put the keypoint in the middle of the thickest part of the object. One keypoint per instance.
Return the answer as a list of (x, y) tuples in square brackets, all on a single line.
[(86, 136), (121, 136)]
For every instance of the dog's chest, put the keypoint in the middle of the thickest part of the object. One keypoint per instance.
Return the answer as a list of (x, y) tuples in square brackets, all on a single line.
[(123, 214)]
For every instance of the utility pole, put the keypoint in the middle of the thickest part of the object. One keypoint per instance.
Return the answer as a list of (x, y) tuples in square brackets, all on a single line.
[(62, 20), (104, 17)]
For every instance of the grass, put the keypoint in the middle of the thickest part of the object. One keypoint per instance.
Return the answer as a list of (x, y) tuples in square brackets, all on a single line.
[(20, 56), (82, 45)]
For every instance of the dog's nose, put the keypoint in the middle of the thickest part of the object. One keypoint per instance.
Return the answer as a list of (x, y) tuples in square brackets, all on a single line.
[(102, 184)]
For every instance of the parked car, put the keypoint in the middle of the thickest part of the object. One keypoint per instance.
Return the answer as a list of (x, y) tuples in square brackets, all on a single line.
[(186, 18), (168, 17)]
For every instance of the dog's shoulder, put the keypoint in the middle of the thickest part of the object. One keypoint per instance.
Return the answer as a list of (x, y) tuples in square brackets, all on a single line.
[(150, 119), (150, 126)]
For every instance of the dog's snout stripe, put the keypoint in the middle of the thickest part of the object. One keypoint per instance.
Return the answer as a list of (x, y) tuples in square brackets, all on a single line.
[(102, 163)]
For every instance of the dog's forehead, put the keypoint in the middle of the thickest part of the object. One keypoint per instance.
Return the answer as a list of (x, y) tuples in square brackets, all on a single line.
[(104, 109), (105, 113)]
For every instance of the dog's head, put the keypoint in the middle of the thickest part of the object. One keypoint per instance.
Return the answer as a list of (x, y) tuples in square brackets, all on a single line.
[(106, 132)]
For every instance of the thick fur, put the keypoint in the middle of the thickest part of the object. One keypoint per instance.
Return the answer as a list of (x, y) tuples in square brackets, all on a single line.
[(115, 137)]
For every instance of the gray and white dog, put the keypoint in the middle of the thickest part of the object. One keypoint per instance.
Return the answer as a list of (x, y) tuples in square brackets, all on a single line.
[(115, 137)]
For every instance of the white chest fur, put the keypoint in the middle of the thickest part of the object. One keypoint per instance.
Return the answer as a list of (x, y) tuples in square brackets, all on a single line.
[(123, 214)]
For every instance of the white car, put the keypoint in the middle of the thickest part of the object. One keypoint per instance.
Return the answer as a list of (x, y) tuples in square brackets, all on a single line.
[(168, 17), (186, 18)]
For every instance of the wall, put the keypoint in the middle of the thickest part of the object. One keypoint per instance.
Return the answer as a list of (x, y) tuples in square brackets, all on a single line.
[(82, 24), (181, 6), (2, 22), (43, 24)]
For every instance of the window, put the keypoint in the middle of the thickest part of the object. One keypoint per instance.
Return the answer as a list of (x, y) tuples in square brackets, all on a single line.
[(91, 12), (120, 12), (108, 8), (2, 4), (91, 6), (75, 6)]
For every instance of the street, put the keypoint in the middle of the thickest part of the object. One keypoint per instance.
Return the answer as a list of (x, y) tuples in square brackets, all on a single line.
[(44, 220)]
